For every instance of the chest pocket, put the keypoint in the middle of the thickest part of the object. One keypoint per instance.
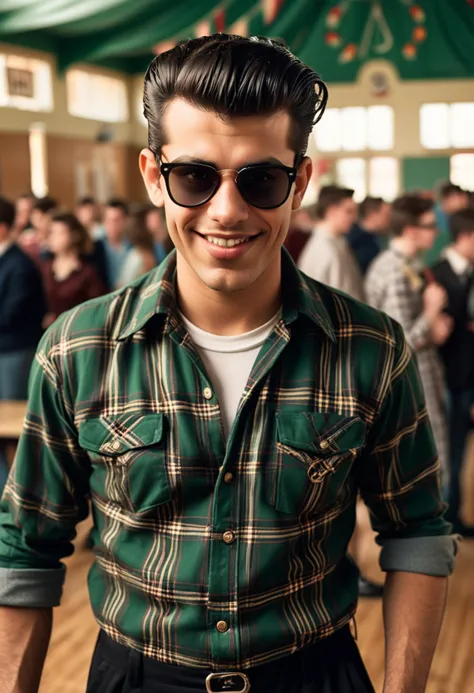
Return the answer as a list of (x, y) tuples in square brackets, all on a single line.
[(315, 453), (128, 460)]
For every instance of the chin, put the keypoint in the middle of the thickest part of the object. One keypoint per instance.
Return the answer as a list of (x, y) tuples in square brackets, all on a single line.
[(226, 281)]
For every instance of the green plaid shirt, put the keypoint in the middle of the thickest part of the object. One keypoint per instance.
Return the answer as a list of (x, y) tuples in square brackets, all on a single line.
[(215, 553)]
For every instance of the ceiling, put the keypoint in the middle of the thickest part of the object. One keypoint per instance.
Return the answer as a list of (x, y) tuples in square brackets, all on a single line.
[(424, 39)]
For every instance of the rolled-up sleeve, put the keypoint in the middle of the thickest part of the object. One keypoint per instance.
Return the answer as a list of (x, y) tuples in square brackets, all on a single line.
[(399, 476), (46, 494)]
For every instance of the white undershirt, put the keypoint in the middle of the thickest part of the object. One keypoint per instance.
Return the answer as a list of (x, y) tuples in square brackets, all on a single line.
[(229, 362)]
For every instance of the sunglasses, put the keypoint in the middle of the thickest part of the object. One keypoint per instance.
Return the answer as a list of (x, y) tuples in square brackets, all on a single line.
[(265, 186)]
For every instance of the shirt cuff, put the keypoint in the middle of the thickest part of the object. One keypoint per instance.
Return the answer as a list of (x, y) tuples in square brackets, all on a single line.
[(426, 555), (39, 589)]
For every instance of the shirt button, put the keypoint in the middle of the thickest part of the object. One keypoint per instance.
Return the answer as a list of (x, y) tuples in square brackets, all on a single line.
[(116, 445), (207, 393), (324, 445), (222, 626), (228, 537), (228, 478)]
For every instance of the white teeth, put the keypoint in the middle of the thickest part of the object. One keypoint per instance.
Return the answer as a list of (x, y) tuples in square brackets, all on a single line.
[(226, 243)]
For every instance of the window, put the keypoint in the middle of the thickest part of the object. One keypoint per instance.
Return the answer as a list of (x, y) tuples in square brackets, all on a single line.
[(355, 129), (97, 97), (462, 170), (25, 83), (384, 177), (444, 125), (378, 177), (351, 174), (37, 141)]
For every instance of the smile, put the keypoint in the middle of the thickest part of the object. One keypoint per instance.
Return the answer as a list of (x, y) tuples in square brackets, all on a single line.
[(227, 242)]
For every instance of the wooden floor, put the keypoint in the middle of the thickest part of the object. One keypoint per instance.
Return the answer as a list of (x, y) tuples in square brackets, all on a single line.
[(75, 631)]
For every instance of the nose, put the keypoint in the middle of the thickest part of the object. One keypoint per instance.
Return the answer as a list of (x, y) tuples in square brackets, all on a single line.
[(228, 208)]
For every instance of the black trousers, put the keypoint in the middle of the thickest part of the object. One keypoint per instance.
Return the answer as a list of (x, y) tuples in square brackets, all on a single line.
[(333, 665)]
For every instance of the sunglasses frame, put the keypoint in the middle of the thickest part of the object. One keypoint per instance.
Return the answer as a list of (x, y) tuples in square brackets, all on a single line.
[(167, 168)]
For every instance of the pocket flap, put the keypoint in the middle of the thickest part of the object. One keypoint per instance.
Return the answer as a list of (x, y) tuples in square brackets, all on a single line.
[(324, 433), (115, 435)]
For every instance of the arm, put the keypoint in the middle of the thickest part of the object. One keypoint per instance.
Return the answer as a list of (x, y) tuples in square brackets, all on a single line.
[(45, 497), (24, 635), (15, 305), (413, 609), (398, 306), (398, 477)]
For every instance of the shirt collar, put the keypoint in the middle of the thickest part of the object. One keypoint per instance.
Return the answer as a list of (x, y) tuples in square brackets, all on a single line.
[(156, 296), (458, 263), (5, 246)]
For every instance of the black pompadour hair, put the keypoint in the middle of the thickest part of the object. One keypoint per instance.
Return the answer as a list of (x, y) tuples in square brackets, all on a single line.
[(235, 76)]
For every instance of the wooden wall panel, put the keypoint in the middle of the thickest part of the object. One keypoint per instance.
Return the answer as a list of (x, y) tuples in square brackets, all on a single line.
[(15, 176), (135, 185), (85, 167)]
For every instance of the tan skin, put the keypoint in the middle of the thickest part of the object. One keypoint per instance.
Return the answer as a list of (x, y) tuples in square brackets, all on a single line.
[(226, 297)]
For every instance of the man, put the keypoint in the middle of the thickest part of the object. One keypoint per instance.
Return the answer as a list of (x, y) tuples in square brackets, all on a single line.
[(219, 415), (22, 308), (86, 212), (367, 237), (455, 274), (110, 252), (452, 198), (24, 207), (34, 241), (394, 285), (327, 257), (155, 223)]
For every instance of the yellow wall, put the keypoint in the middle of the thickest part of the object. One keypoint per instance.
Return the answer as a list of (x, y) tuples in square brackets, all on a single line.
[(406, 99), (60, 122)]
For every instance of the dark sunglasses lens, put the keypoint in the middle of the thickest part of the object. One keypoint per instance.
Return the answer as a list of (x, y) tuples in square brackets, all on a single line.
[(264, 187), (192, 184)]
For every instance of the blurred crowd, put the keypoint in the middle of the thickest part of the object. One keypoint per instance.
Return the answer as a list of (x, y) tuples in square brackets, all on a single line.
[(413, 259), (53, 259)]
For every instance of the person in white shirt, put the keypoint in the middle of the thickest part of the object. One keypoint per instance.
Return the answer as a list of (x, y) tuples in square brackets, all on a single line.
[(327, 256)]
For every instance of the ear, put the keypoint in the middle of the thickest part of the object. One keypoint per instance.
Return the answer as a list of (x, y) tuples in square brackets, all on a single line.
[(303, 177), (151, 176)]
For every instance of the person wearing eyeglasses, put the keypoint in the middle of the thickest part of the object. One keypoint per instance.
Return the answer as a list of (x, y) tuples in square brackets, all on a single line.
[(222, 414), (396, 285)]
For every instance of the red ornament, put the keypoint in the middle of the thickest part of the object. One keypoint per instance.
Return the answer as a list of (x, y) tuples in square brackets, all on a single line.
[(420, 33), (334, 17), (470, 3), (409, 51), (349, 53), (417, 13), (332, 38), (219, 21)]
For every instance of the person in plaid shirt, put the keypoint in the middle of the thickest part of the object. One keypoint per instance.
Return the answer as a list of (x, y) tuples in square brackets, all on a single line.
[(223, 413)]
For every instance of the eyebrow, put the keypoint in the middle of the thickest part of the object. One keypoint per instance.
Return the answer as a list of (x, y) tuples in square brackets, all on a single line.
[(269, 161)]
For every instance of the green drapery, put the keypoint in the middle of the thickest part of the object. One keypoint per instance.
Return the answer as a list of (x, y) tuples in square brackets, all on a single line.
[(424, 39)]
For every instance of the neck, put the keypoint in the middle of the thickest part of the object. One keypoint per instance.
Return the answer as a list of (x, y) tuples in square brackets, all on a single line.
[(405, 246), (67, 256), (369, 226), (328, 227), (228, 313), (460, 251)]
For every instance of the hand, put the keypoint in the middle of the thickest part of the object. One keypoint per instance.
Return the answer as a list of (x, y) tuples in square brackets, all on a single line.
[(441, 329), (435, 299)]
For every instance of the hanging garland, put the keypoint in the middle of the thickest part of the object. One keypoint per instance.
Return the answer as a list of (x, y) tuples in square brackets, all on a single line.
[(376, 19), (419, 32)]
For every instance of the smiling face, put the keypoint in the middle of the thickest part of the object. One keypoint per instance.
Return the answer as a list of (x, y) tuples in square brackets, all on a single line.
[(226, 244)]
